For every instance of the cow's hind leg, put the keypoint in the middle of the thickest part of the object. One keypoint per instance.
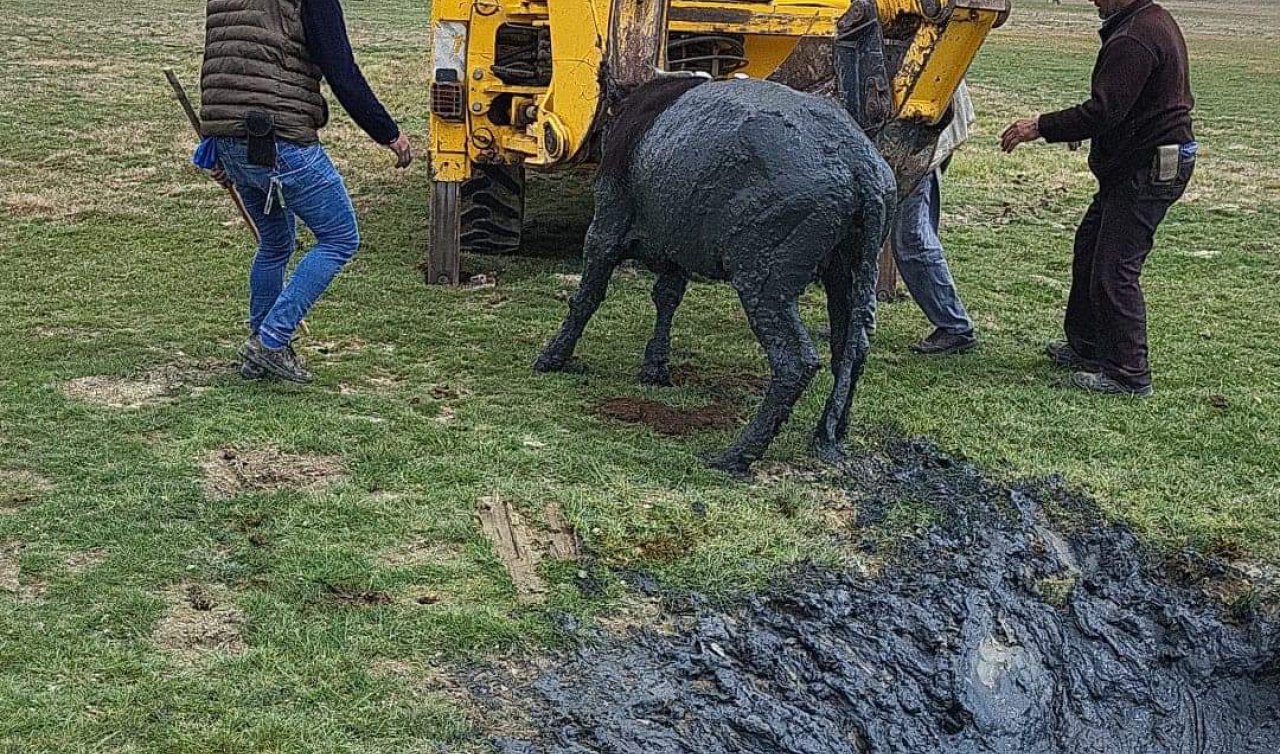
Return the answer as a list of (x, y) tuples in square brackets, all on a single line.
[(602, 253), (793, 361), (850, 284), (668, 291)]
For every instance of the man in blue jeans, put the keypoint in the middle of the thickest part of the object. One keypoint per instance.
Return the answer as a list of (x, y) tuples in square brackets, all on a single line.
[(261, 113), (918, 250)]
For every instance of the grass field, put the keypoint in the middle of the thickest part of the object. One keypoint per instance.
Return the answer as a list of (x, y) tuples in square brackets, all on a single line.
[(135, 534)]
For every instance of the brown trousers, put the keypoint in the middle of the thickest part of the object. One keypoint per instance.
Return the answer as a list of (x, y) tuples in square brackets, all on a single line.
[(1106, 319)]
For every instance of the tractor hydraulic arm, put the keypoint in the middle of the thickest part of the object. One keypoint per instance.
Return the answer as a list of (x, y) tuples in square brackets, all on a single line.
[(899, 63)]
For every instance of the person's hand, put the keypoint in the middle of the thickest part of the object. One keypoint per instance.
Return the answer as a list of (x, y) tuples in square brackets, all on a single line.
[(404, 152), (1020, 132), (220, 175)]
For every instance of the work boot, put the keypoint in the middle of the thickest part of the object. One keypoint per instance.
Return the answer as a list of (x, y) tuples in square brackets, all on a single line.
[(1097, 382), (943, 343), (277, 362), (1061, 354)]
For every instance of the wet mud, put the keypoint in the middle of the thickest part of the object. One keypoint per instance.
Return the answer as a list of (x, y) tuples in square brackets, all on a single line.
[(1016, 621)]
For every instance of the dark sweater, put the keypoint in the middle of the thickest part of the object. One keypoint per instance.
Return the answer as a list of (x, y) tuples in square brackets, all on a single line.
[(330, 49), (1141, 95)]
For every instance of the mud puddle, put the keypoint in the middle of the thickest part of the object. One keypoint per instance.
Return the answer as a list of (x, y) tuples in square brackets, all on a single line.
[(996, 629)]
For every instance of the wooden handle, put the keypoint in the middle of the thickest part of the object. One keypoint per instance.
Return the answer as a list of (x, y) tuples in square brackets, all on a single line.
[(194, 119)]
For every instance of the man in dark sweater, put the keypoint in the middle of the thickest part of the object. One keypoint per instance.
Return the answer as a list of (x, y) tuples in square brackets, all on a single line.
[(1138, 120), (261, 113)]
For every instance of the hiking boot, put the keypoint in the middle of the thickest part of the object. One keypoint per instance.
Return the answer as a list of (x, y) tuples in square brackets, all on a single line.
[(1061, 354), (1097, 382), (943, 343), (248, 369), (278, 362)]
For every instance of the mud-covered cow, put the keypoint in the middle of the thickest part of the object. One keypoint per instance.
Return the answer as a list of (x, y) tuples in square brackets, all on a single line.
[(753, 183)]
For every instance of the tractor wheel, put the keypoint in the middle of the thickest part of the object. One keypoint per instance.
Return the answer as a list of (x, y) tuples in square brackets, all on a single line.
[(492, 209)]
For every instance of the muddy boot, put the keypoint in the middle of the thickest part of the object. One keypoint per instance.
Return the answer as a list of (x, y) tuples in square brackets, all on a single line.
[(1061, 354), (943, 343), (1097, 382), (277, 362)]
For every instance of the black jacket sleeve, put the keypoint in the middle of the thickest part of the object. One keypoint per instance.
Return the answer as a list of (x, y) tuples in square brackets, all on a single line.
[(330, 49), (1124, 65)]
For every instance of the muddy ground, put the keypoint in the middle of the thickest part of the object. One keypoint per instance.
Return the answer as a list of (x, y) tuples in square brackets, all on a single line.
[(1016, 621)]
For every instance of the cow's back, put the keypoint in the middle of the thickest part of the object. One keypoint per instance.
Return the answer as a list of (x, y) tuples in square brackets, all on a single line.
[(739, 164)]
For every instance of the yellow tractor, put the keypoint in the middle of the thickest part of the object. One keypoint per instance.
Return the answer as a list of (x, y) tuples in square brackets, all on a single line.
[(527, 84)]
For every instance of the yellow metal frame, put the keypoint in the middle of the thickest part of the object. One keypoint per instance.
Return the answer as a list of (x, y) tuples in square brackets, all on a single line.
[(944, 37)]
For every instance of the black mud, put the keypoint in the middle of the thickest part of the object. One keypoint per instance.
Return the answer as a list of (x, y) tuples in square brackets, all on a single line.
[(996, 631)]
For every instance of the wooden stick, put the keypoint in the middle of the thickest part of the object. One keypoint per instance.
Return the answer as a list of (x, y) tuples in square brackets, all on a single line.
[(195, 125)]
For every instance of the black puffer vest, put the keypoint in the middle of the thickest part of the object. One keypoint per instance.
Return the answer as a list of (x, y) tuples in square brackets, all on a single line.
[(255, 58)]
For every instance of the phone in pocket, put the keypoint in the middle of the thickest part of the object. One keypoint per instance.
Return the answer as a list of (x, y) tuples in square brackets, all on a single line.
[(1168, 162)]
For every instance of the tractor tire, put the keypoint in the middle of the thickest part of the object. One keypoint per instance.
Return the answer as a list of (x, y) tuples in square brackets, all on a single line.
[(492, 210)]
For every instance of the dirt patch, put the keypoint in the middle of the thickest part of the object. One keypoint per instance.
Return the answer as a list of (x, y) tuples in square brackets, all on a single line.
[(200, 620), (999, 627), (668, 420), (82, 334), (153, 387), (521, 547), (448, 392), (344, 595), (492, 705), (420, 551), (19, 488), (11, 581), (233, 471), (731, 385), (79, 562)]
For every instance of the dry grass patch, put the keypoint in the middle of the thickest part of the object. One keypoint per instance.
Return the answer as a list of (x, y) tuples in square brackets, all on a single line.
[(19, 487), (11, 581), (420, 551), (233, 471), (199, 621), (492, 700), (153, 387), (79, 562)]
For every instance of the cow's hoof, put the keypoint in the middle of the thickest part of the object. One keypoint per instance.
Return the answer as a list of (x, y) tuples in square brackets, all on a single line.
[(656, 376), (732, 464), (830, 452), (546, 364)]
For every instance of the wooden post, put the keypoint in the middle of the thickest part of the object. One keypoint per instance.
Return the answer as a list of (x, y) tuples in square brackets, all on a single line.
[(444, 265)]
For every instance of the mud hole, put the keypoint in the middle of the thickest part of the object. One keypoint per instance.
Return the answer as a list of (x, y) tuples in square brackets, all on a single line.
[(232, 471), (157, 386), (200, 620), (998, 628), (522, 547), (669, 420)]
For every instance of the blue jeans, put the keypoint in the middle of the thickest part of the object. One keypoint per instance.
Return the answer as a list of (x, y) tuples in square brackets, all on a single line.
[(303, 184), (918, 251)]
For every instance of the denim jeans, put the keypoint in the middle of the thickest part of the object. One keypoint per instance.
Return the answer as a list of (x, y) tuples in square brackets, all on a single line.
[(303, 184), (918, 251)]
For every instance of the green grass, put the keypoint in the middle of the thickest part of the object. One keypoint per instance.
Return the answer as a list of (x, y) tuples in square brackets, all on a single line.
[(119, 259)]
